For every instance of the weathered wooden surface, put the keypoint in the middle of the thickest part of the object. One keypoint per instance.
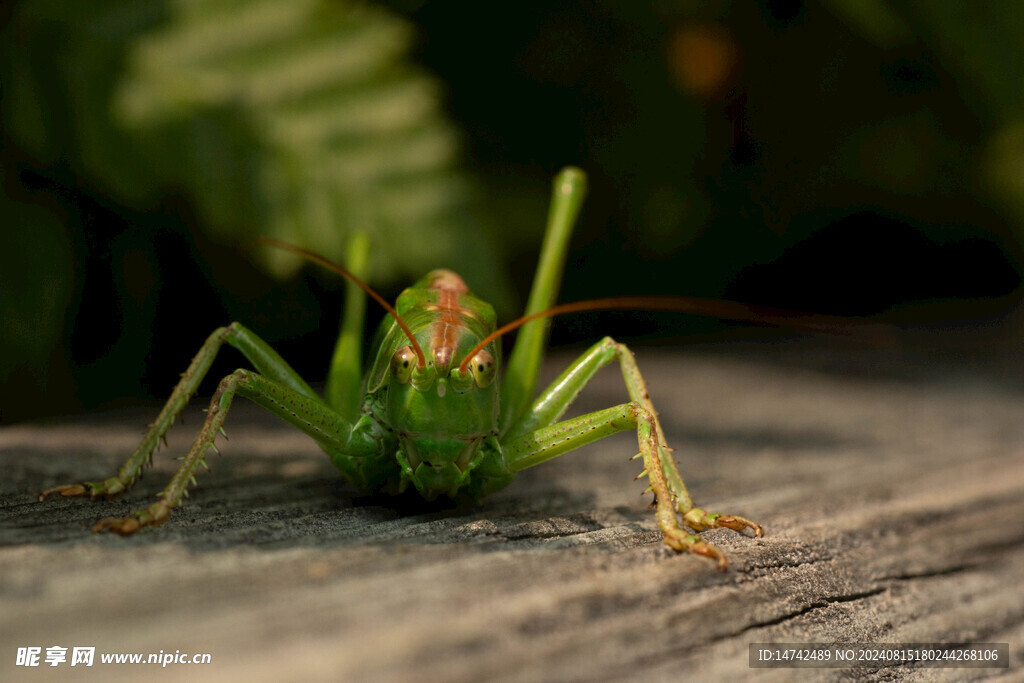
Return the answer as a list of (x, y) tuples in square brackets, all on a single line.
[(892, 499)]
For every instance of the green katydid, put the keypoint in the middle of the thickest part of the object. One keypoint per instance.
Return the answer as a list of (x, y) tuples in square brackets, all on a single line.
[(433, 411)]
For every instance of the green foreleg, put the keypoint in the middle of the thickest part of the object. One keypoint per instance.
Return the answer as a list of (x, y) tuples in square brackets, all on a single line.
[(536, 439), (558, 439), (258, 352), (310, 415)]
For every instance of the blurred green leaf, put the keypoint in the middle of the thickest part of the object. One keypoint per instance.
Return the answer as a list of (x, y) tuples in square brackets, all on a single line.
[(301, 120)]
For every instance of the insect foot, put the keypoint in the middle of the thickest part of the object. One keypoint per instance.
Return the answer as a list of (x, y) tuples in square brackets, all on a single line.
[(66, 491), (689, 543), (108, 488), (701, 520), (154, 515)]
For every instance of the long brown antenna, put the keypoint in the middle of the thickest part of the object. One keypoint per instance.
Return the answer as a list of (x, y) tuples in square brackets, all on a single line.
[(331, 265), (714, 308)]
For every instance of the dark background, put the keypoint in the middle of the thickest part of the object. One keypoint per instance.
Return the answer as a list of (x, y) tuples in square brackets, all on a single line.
[(858, 159)]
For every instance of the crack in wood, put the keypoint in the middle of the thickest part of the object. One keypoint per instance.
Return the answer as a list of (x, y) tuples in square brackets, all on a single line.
[(810, 607), (909, 533)]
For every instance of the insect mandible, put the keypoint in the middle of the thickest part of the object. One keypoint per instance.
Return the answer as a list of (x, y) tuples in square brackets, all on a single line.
[(433, 412)]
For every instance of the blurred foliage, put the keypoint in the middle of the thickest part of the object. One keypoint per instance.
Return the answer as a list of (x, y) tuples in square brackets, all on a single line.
[(34, 301), (980, 48), (301, 120), (845, 157)]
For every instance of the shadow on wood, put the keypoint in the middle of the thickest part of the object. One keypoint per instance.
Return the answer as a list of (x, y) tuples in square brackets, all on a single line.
[(892, 505)]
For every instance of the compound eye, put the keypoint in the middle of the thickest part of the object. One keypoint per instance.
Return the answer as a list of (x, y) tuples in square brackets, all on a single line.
[(483, 369), (402, 364)]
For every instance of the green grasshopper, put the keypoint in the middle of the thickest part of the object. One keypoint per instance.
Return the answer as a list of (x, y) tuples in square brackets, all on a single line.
[(433, 412)]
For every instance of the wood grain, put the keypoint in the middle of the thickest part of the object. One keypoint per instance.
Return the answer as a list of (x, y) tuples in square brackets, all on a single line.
[(891, 490)]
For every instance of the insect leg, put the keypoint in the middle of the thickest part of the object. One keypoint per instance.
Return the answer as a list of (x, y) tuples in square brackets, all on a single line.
[(258, 352), (343, 390), (520, 381), (310, 415), (536, 438)]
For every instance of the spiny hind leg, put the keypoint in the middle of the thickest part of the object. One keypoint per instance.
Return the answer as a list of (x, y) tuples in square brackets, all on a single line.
[(667, 484), (671, 497), (554, 440), (258, 352), (311, 416)]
